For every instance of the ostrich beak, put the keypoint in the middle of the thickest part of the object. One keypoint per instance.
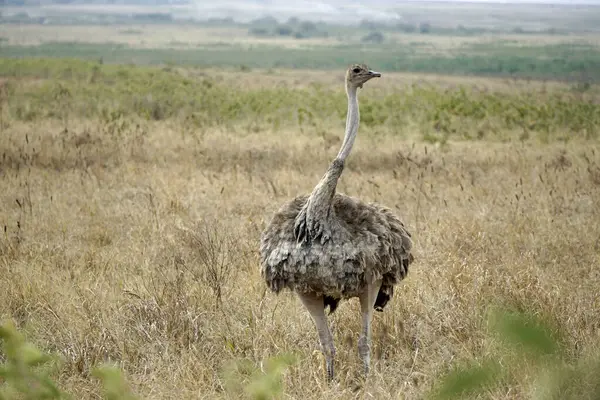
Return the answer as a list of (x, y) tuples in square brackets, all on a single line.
[(374, 74)]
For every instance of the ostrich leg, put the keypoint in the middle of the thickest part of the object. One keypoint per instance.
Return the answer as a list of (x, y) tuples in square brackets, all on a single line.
[(367, 302), (316, 307)]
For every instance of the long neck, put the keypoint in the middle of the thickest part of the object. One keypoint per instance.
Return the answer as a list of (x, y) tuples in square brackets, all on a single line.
[(352, 121), (325, 189)]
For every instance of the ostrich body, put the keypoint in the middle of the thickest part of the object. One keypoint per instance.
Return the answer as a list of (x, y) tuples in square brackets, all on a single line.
[(327, 246)]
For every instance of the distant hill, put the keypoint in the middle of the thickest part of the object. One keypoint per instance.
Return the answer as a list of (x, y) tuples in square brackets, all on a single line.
[(483, 15)]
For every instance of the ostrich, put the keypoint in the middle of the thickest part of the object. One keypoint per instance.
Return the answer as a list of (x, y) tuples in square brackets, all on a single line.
[(328, 246)]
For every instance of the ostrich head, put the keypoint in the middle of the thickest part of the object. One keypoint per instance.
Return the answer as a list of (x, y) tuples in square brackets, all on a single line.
[(358, 74)]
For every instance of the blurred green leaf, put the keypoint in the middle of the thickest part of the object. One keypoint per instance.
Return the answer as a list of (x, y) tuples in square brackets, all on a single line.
[(269, 384), (526, 333), (25, 369), (115, 387), (243, 377), (467, 380)]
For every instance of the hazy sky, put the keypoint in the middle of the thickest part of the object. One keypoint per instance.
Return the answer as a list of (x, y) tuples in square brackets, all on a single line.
[(332, 10), (522, 1)]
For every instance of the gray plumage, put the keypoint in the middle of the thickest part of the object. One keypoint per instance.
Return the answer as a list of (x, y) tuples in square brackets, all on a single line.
[(363, 236), (327, 246)]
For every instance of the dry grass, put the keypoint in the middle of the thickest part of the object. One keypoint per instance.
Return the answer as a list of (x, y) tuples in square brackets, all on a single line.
[(141, 248), (194, 36), (146, 36)]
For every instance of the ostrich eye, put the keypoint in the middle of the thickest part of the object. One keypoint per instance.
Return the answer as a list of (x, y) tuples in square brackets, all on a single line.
[(356, 70)]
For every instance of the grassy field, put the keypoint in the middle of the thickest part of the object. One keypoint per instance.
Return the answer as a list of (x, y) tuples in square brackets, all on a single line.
[(558, 62), (132, 200)]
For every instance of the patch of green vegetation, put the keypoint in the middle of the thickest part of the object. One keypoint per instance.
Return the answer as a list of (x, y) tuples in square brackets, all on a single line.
[(547, 62), (130, 31), (75, 88), (243, 377), (526, 341), (26, 372), (577, 49)]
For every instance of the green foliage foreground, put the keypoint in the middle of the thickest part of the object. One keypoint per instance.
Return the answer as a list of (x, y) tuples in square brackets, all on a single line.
[(63, 89), (25, 372), (530, 346), (524, 340)]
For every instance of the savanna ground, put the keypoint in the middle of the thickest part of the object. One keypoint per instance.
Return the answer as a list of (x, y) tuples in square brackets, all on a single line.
[(133, 197)]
